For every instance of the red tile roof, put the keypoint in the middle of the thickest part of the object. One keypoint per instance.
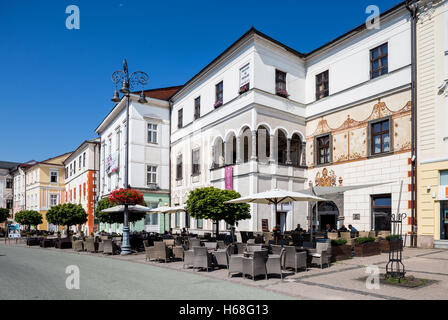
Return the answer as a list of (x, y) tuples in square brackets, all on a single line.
[(162, 93)]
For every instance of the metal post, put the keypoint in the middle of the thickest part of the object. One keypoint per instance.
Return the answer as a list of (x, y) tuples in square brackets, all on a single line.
[(126, 247)]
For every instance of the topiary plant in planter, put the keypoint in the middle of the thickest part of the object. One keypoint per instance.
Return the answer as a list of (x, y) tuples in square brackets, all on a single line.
[(340, 250), (366, 246)]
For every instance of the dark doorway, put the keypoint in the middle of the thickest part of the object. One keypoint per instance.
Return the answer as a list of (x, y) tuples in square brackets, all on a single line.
[(381, 212), (328, 214), (443, 220)]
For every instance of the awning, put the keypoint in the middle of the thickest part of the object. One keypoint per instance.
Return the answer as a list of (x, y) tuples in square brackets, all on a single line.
[(325, 191)]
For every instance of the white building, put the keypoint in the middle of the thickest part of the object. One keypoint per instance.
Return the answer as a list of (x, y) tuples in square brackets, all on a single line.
[(19, 185), (6, 184), (233, 127), (148, 152), (81, 176)]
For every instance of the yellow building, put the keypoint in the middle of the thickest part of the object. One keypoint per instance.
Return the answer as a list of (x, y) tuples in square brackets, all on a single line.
[(45, 187), (432, 127)]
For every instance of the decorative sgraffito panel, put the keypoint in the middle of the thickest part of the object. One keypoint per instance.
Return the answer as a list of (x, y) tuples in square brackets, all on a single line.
[(358, 143)]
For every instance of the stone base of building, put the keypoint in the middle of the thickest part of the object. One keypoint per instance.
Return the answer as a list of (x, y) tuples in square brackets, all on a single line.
[(425, 241)]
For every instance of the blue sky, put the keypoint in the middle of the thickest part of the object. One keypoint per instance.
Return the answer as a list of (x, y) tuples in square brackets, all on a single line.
[(55, 83)]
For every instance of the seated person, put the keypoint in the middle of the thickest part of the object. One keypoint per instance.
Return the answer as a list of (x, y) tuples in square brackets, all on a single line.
[(353, 230), (343, 229), (184, 232), (298, 229), (313, 229)]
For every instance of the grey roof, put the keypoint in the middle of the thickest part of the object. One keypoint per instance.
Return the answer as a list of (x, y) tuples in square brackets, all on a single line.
[(8, 164), (323, 191)]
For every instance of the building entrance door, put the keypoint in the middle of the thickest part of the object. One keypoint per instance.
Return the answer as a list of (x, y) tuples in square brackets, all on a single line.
[(328, 214), (443, 220)]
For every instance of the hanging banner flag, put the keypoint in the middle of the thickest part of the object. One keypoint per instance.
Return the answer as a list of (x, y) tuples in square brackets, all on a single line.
[(112, 163), (228, 177)]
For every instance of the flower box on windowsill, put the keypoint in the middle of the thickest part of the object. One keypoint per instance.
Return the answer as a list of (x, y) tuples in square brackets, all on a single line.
[(244, 89), (282, 93), (217, 104)]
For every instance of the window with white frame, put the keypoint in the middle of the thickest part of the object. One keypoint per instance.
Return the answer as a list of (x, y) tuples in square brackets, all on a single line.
[(118, 141), (79, 162), (53, 176), (151, 174), (84, 159), (152, 133), (53, 200)]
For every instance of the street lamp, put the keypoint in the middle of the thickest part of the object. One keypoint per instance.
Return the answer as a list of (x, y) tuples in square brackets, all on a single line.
[(137, 79)]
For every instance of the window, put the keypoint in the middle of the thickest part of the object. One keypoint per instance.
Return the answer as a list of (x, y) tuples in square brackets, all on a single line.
[(322, 85), (152, 133), (79, 162), (197, 108), (8, 183), (323, 151), (8, 203), (117, 144), (53, 176), (195, 167), (152, 218), (151, 175), (74, 167), (378, 61), (444, 178), (66, 172), (180, 118), (218, 94), (381, 212), (200, 223), (84, 159), (179, 167), (177, 219), (187, 220), (380, 137), (53, 200), (280, 81)]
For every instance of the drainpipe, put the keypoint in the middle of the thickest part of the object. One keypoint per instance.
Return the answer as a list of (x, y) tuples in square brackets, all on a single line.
[(412, 7), (169, 164)]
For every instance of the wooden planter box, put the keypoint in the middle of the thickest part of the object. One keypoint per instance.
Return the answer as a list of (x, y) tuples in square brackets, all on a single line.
[(367, 249), (341, 252), (385, 245)]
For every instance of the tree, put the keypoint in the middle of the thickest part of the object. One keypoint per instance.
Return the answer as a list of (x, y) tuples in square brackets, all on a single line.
[(28, 218), (4, 214), (115, 217), (208, 203), (67, 214)]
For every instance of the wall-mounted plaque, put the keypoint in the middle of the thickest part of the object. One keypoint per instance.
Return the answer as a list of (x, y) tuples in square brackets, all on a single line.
[(356, 216), (264, 225)]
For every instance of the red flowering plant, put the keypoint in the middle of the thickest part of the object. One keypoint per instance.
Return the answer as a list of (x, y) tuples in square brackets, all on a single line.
[(244, 88), (282, 93), (126, 196)]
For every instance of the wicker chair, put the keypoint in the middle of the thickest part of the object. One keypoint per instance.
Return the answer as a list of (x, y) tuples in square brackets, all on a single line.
[(250, 241), (363, 234), (332, 235), (90, 245), (202, 258), (347, 236), (188, 258), (383, 234), (293, 259), (193, 242), (276, 249), (267, 236), (241, 247), (275, 263), (253, 247), (255, 265), (221, 244), (235, 263), (222, 256), (101, 246), (78, 245), (210, 245), (159, 251), (109, 247), (178, 252), (321, 256), (168, 242)]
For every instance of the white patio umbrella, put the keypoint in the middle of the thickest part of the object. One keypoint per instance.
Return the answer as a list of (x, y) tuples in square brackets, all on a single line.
[(169, 210), (276, 196)]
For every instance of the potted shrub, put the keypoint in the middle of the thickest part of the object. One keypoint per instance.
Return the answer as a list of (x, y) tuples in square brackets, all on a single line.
[(340, 250), (366, 246)]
